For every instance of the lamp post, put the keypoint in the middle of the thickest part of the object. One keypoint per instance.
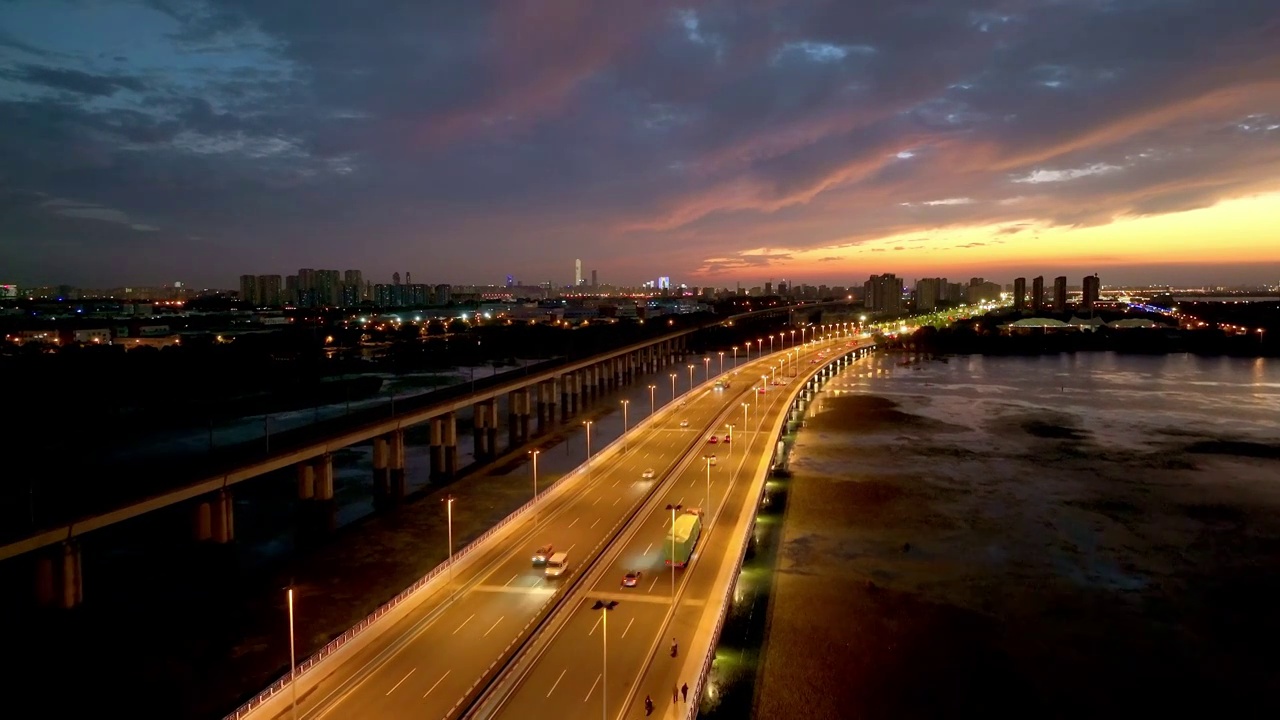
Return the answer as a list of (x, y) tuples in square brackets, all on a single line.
[(745, 407), (721, 362), (672, 560), (691, 377), (771, 344), (625, 404), (604, 607), (651, 405), (293, 658), (706, 459), (735, 357), (587, 425), (759, 345), (448, 502), (534, 454), (706, 369), (793, 339), (673, 387)]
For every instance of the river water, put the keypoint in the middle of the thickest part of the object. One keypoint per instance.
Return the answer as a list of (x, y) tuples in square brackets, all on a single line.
[(1058, 536)]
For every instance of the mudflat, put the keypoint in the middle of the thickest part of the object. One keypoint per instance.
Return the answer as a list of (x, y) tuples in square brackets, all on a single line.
[(956, 551)]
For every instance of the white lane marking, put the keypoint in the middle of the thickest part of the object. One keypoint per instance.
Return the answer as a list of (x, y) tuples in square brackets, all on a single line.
[(615, 500), (464, 623), (680, 501), (624, 632), (557, 682), (571, 547), (406, 677), (646, 550), (575, 522), (592, 631), (593, 502), (442, 677), (653, 584), (615, 483), (593, 689), (491, 627), (594, 523), (513, 579), (664, 521)]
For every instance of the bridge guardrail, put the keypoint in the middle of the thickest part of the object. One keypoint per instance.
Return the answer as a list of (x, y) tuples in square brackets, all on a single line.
[(705, 671), (351, 633)]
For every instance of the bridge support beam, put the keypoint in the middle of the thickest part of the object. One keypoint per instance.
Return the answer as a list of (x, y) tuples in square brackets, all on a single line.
[(548, 395), (518, 417), (59, 578), (444, 446), (381, 467), (395, 466), (306, 481), (485, 428)]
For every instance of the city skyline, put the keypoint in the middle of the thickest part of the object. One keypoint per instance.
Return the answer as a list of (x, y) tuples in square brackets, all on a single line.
[(823, 142)]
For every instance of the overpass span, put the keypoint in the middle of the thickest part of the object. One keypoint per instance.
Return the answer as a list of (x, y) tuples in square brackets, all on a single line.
[(544, 391)]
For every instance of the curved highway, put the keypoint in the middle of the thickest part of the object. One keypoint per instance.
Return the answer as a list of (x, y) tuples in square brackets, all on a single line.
[(565, 679), (431, 661)]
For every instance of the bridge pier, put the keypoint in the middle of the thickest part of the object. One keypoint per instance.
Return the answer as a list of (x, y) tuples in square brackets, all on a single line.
[(215, 519), (548, 394), (59, 577), (395, 465), (444, 446), (517, 417), (381, 467), (485, 428)]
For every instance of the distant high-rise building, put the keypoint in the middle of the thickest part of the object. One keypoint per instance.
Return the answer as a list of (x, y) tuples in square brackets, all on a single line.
[(292, 289), (511, 281), (577, 272), (1019, 293), (664, 282), (1037, 293), (442, 295), (1060, 293), (408, 278), (352, 288), (249, 290), (1092, 289), (595, 279), (270, 291), (883, 293), (929, 292), (395, 278)]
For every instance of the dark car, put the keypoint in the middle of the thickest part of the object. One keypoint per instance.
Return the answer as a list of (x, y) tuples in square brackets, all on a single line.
[(631, 579)]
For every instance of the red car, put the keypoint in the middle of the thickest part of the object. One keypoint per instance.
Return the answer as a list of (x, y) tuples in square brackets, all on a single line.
[(760, 390), (727, 438), (631, 579), (712, 440)]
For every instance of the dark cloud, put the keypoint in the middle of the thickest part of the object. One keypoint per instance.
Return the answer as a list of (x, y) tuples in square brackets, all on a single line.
[(648, 138), (74, 80)]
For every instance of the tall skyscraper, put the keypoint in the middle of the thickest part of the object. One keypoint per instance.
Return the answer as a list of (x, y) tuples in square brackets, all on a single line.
[(395, 278), (408, 278), (1019, 293), (1037, 293), (270, 291), (249, 290), (1060, 293), (595, 279), (883, 293), (1092, 290), (929, 291), (577, 272), (664, 282)]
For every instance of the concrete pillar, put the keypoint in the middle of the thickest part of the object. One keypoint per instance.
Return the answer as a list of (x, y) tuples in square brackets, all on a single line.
[(437, 447), (323, 473), (222, 513), (517, 417), (491, 428), (306, 481), (203, 521), (72, 576), (381, 471), (46, 587), (395, 464), (450, 444), (479, 422), (565, 382), (604, 376), (548, 396)]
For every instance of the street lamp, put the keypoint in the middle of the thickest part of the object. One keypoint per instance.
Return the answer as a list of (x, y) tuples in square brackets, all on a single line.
[(721, 362), (448, 501), (690, 377), (672, 560), (793, 339), (605, 607), (735, 357), (770, 344), (745, 407), (651, 405), (625, 403), (706, 369), (587, 425), (673, 387), (534, 454), (706, 459), (293, 658), (759, 345)]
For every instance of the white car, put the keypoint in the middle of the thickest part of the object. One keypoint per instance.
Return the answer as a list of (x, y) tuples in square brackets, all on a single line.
[(648, 474), (684, 423)]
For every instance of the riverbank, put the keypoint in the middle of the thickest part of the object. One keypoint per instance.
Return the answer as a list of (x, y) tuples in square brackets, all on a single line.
[(1024, 537)]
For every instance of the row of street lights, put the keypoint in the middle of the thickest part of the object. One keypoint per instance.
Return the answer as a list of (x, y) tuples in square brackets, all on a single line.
[(599, 605)]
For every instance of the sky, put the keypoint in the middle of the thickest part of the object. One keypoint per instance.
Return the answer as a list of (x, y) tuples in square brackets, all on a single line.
[(152, 141)]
